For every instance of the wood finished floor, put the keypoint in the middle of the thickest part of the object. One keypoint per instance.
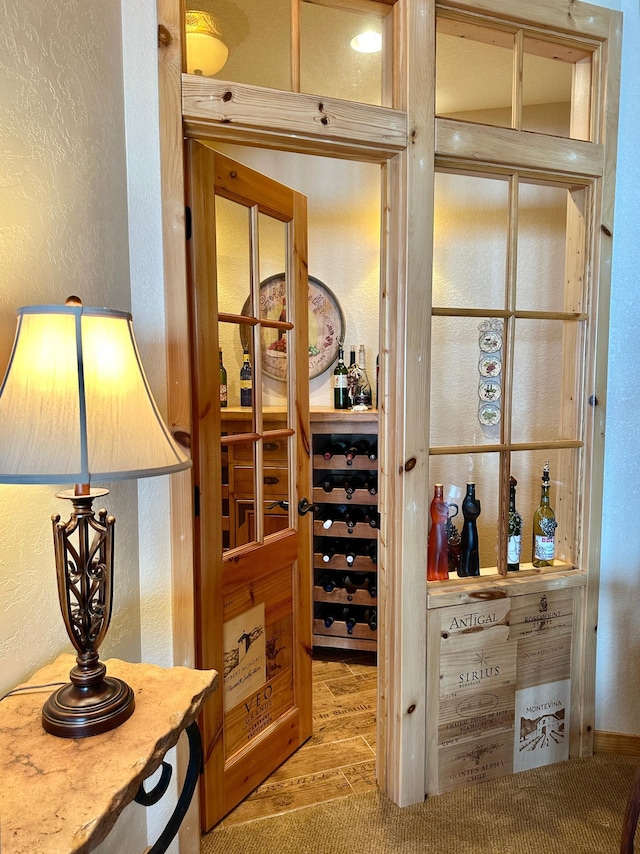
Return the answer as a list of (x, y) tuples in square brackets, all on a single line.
[(339, 759)]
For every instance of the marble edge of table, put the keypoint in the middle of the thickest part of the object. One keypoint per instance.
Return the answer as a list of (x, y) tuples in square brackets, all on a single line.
[(168, 699)]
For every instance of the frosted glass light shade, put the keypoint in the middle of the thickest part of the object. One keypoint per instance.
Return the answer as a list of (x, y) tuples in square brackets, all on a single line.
[(75, 405), (206, 52)]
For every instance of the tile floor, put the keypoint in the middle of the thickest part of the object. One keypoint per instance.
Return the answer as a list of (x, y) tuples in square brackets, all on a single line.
[(339, 759)]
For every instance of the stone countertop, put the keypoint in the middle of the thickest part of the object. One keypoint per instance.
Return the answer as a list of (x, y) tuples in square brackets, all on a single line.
[(62, 795)]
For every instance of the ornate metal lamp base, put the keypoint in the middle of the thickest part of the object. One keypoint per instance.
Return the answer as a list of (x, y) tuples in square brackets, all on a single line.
[(77, 712)]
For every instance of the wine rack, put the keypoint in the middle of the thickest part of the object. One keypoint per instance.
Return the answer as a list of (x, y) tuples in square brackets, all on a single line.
[(345, 530)]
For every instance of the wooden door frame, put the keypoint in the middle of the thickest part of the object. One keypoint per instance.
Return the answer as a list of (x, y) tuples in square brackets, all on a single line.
[(406, 199), (407, 150)]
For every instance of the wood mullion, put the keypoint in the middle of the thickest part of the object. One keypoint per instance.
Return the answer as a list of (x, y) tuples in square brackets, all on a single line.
[(516, 83), (256, 398), (295, 45)]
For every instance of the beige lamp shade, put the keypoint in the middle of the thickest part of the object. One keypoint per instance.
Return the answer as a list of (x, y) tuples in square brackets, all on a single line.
[(206, 52), (75, 405)]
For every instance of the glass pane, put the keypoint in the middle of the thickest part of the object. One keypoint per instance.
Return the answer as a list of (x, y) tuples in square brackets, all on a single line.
[(330, 65), (241, 494), (474, 72), (467, 357), (455, 472), (257, 38), (542, 228), (547, 380), (233, 257), (276, 467), (527, 467), (240, 372), (550, 102), (471, 227)]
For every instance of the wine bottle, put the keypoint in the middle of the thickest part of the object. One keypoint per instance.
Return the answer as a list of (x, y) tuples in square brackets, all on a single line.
[(245, 379), (329, 549), (352, 375), (334, 449), (355, 516), (514, 541), (350, 555), (370, 616), (327, 614), (354, 581), (469, 547), (330, 582), (223, 383), (544, 526), (371, 550), (340, 387), (372, 453), (362, 396), (356, 481), (359, 447), (373, 517), (438, 553), (332, 513), (349, 618)]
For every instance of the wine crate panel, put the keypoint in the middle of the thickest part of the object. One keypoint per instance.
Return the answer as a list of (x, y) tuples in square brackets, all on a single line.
[(544, 657), (476, 715), (476, 664), (541, 612), (474, 618), (543, 715), (475, 761)]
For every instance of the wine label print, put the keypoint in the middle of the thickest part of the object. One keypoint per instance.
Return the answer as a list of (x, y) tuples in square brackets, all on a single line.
[(490, 343), (542, 725)]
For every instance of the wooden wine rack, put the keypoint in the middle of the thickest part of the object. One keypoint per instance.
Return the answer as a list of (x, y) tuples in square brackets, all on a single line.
[(328, 426)]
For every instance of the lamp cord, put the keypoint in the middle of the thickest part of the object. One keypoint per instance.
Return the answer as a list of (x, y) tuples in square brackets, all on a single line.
[(31, 688)]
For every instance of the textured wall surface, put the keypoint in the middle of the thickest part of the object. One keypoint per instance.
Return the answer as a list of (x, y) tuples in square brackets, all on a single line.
[(618, 656), (63, 229)]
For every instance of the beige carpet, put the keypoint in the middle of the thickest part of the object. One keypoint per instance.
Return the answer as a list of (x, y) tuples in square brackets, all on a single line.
[(573, 807)]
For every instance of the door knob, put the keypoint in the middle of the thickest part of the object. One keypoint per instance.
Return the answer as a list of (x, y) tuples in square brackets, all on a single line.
[(304, 507)]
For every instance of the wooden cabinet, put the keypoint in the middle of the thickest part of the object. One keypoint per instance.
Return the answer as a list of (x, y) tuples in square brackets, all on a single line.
[(345, 530)]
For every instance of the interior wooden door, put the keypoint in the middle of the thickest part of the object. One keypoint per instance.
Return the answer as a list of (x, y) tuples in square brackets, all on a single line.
[(253, 591)]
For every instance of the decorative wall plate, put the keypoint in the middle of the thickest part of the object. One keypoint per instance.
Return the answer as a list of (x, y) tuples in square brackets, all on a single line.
[(489, 391), (489, 414), (490, 341), (490, 366), (326, 327)]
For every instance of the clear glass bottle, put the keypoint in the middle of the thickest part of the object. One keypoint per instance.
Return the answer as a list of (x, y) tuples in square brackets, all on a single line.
[(340, 386), (246, 374), (514, 542), (362, 397), (438, 553), (223, 384), (544, 526)]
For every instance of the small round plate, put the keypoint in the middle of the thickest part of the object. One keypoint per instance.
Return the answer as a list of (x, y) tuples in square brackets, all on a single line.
[(490, 366), (489, 391), (490, 341), (489, 414)]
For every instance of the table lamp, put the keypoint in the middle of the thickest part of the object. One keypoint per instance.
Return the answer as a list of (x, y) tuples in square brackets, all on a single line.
[(75, 408)]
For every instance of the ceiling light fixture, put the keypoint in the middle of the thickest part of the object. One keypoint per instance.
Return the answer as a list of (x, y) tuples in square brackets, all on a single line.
[(206, 52), (367, 42)]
